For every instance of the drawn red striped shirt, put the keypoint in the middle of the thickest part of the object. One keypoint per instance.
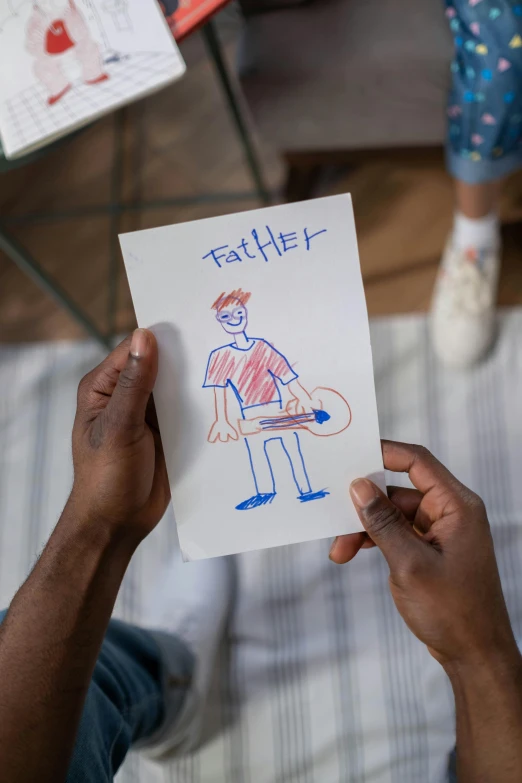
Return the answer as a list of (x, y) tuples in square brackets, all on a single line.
[(251, 372)]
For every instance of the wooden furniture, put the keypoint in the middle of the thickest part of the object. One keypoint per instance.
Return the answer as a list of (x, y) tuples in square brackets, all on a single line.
[(335, 82)]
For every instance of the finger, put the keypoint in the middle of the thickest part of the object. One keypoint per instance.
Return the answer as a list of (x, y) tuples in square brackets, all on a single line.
[(128, 403), (344, 548), (407, 499), (234, 435), (96, 388), (424, 470), (410, 503), (384, 522)]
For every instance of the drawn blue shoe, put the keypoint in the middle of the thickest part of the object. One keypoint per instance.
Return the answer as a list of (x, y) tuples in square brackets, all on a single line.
[(256, 500), (306, 496)]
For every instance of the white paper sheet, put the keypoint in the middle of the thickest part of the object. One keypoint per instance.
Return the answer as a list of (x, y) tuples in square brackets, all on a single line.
[(65, 62), (262, 326)]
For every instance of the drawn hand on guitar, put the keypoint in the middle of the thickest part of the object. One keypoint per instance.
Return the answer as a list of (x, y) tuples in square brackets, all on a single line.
[(301, 401), (222, 431), (297, 407)]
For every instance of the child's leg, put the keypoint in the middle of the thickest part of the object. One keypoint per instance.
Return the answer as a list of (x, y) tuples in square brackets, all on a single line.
[(485, 99), (476, 201), (484, 145)]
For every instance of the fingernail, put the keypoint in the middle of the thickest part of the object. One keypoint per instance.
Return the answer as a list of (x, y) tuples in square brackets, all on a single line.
[(362, 492), (139, 343), (334, 544)]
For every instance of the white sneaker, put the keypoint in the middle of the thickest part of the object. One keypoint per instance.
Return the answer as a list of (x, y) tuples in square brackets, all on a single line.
[(463, 306), (192, 604)]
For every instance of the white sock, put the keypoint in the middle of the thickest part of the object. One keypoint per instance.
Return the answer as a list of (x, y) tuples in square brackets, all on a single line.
[(478, 233)]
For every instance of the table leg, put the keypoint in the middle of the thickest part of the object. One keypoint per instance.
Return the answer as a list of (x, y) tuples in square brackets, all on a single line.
[(114, 244), (24, 261), (214, 49)]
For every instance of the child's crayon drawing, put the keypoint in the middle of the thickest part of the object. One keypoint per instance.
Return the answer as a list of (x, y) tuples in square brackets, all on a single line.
[(257, 373), (265, 395)]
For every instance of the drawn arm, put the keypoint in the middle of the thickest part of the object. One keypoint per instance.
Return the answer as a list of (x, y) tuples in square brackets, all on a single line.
[(221, 430)]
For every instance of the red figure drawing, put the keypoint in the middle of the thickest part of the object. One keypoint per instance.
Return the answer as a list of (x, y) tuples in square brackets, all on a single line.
[(258, 374), (55, 28)]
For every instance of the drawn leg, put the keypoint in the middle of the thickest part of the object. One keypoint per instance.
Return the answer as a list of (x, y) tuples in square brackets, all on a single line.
[(292, 448), (261, 473), (49, 72), (88, 54)]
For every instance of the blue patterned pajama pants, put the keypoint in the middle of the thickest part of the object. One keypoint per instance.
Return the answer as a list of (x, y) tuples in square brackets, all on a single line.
[(485, 99)]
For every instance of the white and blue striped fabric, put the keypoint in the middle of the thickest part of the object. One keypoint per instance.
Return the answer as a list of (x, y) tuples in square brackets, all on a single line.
[(319, 680)]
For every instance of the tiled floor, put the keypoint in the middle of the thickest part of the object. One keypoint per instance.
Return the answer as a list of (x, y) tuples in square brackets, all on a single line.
[(181, 142)]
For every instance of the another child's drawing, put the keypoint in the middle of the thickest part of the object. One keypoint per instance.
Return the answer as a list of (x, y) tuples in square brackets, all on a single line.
[(273, 404), (71, 61), (56, 28)]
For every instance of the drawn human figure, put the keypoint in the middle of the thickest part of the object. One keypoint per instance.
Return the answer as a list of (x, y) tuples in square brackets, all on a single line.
[(256, 373), (55, 28)]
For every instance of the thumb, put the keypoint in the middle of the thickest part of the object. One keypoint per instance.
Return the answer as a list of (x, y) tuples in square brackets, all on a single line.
[(385, 523), (128, 403)]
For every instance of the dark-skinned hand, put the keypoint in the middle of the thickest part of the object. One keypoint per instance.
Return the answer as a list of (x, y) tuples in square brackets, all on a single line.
[(120, 478), (437, 542)]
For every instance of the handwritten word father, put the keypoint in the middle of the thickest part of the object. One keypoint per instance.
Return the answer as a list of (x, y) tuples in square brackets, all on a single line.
[(263, 245)]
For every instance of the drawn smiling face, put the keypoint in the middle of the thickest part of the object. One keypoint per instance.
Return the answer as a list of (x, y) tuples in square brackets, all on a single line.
[(233, 318)]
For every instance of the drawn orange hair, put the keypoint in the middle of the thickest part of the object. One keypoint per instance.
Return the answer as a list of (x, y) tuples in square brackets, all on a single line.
[(224, 299)]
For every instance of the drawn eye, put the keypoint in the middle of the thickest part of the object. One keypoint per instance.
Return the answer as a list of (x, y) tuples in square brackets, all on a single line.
[(239, 313), (223, 316)]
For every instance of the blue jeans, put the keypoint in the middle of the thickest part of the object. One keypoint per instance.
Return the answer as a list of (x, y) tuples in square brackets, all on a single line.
[(126, 702), (452, 769), (485, 99)]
